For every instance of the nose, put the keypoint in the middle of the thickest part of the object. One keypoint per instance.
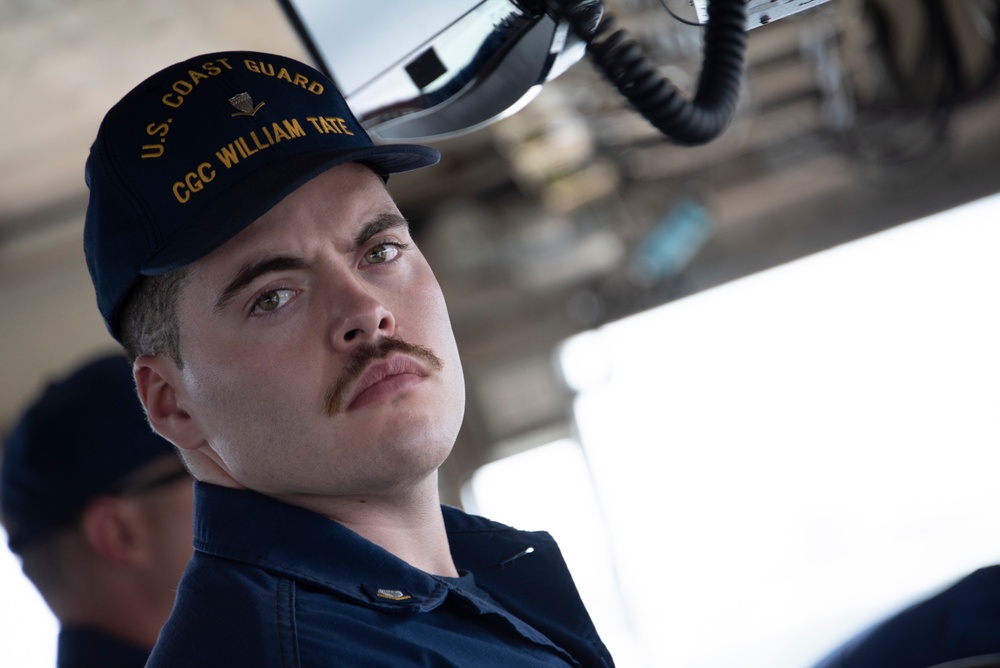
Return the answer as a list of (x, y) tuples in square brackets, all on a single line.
[(360, 316)]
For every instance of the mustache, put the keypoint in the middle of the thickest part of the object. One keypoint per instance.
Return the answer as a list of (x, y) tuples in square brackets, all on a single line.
[(364, 355)]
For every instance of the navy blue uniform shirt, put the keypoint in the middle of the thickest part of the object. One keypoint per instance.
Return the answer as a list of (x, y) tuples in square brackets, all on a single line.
[(89, 648), (279, 586), (960, 622)]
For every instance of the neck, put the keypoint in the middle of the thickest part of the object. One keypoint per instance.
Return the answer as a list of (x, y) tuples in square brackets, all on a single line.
[(409, 525)]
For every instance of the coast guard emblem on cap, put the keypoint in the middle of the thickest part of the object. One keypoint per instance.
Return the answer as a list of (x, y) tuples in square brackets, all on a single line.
[(245, 104)]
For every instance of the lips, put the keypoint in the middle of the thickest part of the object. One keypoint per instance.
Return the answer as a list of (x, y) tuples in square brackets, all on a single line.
[(384, 379)]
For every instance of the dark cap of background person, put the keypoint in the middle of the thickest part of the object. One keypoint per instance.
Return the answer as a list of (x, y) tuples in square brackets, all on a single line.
[(81, 438), (201, 149)]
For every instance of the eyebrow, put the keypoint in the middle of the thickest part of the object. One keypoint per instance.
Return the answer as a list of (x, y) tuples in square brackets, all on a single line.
[(250, 271), (381, 223)]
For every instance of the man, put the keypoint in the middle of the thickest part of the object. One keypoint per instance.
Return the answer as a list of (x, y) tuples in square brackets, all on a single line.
[(292, 341), (960, 622), (99, 509)]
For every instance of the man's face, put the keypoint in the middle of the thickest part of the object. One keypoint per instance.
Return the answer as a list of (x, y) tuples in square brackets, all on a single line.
[(287, 376)]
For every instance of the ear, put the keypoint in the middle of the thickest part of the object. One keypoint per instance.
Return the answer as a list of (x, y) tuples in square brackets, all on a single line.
[(113, 528), (157, 381)]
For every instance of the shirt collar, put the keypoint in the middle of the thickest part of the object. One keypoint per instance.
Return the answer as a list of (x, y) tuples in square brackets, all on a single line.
[(309, 547), (293, 542)]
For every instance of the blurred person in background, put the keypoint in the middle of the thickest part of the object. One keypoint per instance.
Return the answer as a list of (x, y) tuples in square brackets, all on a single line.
[(99, 508), (960, 622)]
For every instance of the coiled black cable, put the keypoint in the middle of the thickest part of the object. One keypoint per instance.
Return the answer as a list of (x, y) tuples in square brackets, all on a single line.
[(620, 58)]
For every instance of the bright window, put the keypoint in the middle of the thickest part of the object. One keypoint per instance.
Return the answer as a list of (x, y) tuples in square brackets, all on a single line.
[(767, 467), (29, 632)]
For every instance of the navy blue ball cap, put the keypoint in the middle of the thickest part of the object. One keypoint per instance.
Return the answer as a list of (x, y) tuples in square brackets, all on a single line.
[(77, 441), (201, 149)]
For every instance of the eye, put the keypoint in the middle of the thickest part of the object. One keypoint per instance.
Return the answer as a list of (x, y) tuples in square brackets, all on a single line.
[(382, 253), (271, 300)]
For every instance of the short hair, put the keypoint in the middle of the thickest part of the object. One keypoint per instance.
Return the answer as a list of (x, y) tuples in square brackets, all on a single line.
[(148, 320)]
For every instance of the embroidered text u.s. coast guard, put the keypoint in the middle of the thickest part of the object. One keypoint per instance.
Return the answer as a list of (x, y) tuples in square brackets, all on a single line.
[(234, 150)]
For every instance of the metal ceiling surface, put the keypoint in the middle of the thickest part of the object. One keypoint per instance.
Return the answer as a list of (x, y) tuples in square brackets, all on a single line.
[(63, 63)]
